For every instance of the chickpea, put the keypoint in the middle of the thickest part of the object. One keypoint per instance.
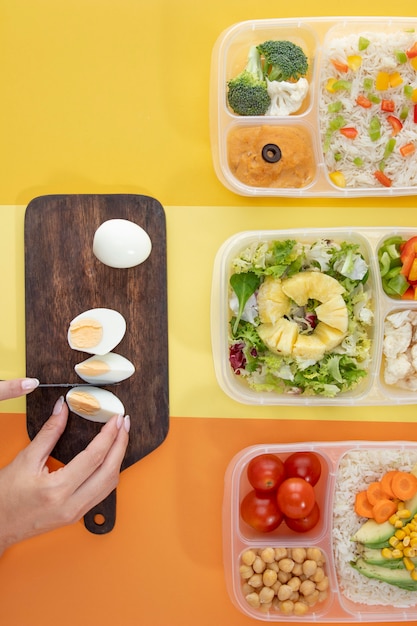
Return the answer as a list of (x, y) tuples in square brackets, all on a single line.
[(315, 554), (297, 570), (309, 568), (274, 566), (276, 586), (245, 571), (323, 585), (286, 565), (300, 608), (253, 600), (307, 587), (255, 581), (294, 583), (294, 596), (322, 596), (284, 592), (286, 607), (269, 577), (246, 589), (313, 598), (280, 553), (283, 577), (319, 575), (258, 565), (248, 557), (264, 608), (299, 555), (266, 595), (268, 555)]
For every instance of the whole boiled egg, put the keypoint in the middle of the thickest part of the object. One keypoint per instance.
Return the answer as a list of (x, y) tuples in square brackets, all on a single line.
[(93, 403), (105, 369), (96, 331), (121, 243)]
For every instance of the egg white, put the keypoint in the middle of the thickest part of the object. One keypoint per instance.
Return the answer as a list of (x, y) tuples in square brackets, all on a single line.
[(109, 404), (118, 368), (121, 243), (113, 328)]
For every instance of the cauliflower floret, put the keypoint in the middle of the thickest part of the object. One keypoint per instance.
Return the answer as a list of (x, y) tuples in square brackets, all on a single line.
[(397, 369), (396, 340), (413, 355), (286, 97), (398, 319)]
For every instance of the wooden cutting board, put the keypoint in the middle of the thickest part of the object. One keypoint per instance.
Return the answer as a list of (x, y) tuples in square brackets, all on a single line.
[(62, 279)]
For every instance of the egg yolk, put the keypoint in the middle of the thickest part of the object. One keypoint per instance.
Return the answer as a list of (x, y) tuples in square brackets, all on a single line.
[(84, 403), (86, 333), (93, 368)]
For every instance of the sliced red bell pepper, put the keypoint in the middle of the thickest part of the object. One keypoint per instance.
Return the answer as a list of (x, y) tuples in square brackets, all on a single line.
[(396, 124), (363, 101), (340, 65), (349, 132), (412, 52), (415, 114), (410, 294), (383, 178), (408, 254), (412, 275), (388, 106)]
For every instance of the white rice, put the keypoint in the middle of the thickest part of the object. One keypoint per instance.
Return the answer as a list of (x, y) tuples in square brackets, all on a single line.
[(379, 56), (356, 470)]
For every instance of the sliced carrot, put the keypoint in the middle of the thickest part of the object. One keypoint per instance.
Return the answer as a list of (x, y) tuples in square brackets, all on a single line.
[(362, 505), (341, 66), (386, 481), (407, 149), (383, 510), (376, 492), (404, 485)]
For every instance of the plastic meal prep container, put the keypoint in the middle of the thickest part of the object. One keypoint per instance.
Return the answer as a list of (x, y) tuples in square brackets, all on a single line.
[(239, 537), (314, 36), (372, 390)]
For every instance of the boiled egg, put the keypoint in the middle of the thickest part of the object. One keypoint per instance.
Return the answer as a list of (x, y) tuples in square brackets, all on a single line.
[(105, 369), (121, 243), (96, 331), (93, 403)]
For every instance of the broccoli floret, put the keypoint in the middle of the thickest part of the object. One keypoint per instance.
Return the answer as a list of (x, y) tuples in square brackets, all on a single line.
[(248, 94), (283, 60)]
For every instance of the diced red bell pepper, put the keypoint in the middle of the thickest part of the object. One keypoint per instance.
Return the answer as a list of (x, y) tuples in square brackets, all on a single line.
[(410, 294), (412, 52), (396, 124), (383, 178), (408, 254), (412, 275), (388, 106), (407, 149), (415, 114), (363, 101), (349, 132)]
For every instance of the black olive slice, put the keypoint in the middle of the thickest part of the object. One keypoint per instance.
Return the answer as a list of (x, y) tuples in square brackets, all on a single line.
[(271, 153)]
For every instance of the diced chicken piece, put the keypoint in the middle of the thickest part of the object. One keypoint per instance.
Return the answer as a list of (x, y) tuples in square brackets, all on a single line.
[(397, 341), (397, 369)]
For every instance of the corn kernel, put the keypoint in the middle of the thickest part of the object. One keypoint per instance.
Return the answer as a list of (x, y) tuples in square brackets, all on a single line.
[(413, 574), (398, 523), (400, 505), (386, 553), (409, 565), (393, 519), (403, 513), (410, 552), (397, 553), (413, 542), (406, 541), (400, 533), (393, 541)]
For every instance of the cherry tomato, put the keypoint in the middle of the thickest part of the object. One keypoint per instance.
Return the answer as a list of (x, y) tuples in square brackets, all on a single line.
[(296, 498), (304, 524), (261, 511), (303, 465), (266, 472)]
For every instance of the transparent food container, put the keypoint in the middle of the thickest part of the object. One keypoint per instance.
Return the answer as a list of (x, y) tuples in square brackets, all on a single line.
[(322, 39), (343, 601), (372, 389)]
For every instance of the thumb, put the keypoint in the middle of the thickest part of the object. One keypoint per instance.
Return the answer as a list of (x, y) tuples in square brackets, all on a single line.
[(44, 442)]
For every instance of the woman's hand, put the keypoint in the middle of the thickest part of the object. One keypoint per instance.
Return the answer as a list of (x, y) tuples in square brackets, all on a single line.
[(34, 500), (17, 387)]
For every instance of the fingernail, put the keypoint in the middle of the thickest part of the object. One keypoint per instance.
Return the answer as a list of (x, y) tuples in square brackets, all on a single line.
[(58, 406), (119, 421), (28, 384), (127, 423)]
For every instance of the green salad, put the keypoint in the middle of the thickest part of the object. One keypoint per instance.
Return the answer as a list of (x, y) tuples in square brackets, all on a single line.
[(301, 315)]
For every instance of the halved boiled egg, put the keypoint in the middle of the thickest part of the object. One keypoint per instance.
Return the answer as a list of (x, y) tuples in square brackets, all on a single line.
[(96, 331), (93, 403), (106, 368)]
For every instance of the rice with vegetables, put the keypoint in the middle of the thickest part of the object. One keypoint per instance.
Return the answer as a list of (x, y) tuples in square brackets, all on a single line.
[(358, 468), (362, 141)]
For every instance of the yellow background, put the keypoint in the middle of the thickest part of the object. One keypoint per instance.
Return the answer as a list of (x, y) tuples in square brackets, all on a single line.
[(112, 96)]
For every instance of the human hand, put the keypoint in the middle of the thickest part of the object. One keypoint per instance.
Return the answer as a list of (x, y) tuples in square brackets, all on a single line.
[(34, 500), (17, 387)]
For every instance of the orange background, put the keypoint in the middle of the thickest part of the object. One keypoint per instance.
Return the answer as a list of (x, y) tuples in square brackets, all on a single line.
[(101, 96)]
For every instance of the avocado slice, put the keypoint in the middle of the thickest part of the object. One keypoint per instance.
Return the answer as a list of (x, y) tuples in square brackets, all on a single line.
[(398, 577), (373, 556)]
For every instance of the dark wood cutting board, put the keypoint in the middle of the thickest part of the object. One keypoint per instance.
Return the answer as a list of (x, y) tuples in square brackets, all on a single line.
[(62, 279)]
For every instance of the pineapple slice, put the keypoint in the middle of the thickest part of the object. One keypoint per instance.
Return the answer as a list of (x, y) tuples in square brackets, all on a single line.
[(334, 313), (309, 347), (328, 335), (279, 337), (272, 301), (311, 285)]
